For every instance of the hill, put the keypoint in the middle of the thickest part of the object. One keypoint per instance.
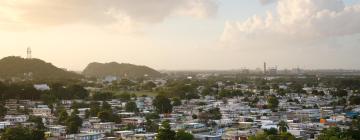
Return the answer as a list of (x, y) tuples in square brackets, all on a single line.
[(120, 70), (35, 68)]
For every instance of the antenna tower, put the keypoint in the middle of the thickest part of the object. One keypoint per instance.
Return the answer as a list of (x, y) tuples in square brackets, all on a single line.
[(28, 51)]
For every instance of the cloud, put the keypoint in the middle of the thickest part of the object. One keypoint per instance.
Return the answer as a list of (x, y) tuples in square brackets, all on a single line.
[(295, 22), (28, 13), (265, 2)]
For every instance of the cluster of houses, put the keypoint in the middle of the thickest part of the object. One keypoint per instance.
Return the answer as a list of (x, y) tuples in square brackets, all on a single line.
[(305, 114)]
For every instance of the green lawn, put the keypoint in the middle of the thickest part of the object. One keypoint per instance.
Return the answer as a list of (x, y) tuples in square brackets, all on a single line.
[(138, 93)]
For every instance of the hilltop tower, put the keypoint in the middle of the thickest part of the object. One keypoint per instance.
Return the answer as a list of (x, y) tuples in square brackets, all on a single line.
[(28, 51)]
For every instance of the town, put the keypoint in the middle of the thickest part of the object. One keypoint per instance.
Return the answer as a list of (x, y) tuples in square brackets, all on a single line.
[(184, 105)]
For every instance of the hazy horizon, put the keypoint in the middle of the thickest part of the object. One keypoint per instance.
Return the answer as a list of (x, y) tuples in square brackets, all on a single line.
[(185, 34)]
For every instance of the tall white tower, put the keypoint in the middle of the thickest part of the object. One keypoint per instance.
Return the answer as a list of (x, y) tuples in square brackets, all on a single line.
[(28, 51)]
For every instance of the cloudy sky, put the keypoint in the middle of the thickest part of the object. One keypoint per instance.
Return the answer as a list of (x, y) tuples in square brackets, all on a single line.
[(184, 34)]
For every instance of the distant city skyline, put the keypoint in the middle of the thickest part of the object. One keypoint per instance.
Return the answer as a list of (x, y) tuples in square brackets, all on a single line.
[(185, 35)]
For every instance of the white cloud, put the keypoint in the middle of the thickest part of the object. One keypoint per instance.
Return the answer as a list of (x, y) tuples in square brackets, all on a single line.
[(264, 2), (295, 22), (36, 13)]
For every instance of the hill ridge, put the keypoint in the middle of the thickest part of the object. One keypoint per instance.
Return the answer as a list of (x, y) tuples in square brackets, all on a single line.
[(14, 66), (96, 69)]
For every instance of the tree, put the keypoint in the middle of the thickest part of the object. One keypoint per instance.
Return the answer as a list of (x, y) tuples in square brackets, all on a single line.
[(273, 102), (62, 116), (79, 105), (131, 107), (165, 132), (176, 102), (106, 106), (194, 116), (125, 96), (105, 116), (149, 85), (21, 133), (272, 136), (73, 123), (37, 134), (206, 91), (214, 113), (271, 131), (48, 98), (102, 96), (203, 117), (283, 126), (183, 135), (332, 133), (133, 96), (287, 136), (281, 92), (340, 93), (94, 109), (258, 136), (151, 126), (211, 114), (3, 111), (38, 122), (152, 116), (116, 118), (16, 133), (354, 100), (78, 92), (87, 114), (335, 133), (162, 104)]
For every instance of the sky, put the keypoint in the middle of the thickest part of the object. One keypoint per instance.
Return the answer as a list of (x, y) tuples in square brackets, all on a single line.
[(184, 34)]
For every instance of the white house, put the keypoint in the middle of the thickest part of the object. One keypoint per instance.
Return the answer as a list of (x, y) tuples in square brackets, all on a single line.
[(14, 119)]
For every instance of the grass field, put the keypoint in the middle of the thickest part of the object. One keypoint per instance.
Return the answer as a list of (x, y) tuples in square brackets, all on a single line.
[(138, 93)]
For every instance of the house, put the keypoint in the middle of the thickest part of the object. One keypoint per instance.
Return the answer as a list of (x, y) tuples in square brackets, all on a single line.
[(94, 119), (298, 133), (28, 103), (110, 79), (207, 136), (133, 120), (82, 112), (104, 127), (41, 110), (12, 106), (85, 136), (41, 87), (237, 135), (307, 114), (15, 119), (195, 127), (149, 136), (269, 126), (56, 130), (4, 125), (126, 114), (124, 134), (66, 102), (115, 103)]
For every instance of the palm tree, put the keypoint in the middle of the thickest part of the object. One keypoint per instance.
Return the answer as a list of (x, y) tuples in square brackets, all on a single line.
[(283, 126)]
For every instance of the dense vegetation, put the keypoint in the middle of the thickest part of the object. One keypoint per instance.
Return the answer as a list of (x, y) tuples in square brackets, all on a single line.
[(32, 69), (119, 70), (27, 91)]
